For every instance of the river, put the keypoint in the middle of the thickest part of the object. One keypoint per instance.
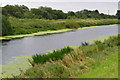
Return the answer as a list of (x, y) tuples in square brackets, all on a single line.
[(41, 44)]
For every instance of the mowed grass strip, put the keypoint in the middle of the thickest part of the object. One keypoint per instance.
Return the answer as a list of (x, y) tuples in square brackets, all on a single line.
[(104, 69)]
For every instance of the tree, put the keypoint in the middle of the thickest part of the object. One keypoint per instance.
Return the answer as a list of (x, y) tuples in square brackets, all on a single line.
[(15, 11), (71, 13), (21, 11), (118, 14), (6, 27), (60, 14)]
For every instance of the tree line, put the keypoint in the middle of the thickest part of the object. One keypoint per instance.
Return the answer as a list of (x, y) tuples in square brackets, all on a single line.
[(22, 11)]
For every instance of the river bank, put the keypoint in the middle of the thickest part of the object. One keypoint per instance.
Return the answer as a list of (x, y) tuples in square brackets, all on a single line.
[(42, 33), (23, 63), (79, 61)]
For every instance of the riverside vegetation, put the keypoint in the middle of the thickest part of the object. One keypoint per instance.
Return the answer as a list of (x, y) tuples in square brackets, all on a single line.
[(28, 26), (22, 20), (86, 61)]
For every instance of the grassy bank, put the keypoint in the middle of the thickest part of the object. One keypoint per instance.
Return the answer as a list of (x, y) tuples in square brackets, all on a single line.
[(34, 34), (32, 27), (27, 26), (24, 64), (87, 61), (108, 68)]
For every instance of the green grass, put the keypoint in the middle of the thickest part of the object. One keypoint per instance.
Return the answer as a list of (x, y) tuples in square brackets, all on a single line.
[(28, 26), (55, 55), (10, 37), (97, 60), (104, 69), (36, 27)]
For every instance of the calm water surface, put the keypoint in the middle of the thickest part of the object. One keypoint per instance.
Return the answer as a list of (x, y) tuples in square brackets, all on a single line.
[(40, 44)]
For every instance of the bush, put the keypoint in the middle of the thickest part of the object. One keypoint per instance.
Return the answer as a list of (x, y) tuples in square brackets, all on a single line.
[(56, 70), (72, 24), (6, 26)]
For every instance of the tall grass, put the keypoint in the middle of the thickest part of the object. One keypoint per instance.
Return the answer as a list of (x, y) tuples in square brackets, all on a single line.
[(26, 26), (76, 62), (55, 55)]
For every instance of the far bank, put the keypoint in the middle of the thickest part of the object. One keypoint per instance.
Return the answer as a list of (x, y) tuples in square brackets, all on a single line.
[(37, 27)]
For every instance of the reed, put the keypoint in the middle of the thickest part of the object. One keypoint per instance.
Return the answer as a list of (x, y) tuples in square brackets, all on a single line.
[(55, 55)]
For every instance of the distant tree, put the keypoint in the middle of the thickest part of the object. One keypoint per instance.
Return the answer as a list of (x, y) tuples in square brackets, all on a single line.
[(21, 11), (71, 13), (36, 11), (24, 8), (118, 14), (96, 11), (15, 11), (78, 14), (28, 14), (60, 14), (71, 17)]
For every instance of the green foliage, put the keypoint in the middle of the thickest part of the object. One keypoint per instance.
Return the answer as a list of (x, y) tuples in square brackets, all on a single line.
[(97, 50), (71, 24), (21, 11), (55, 55), (6, 26), (53, 70), (71, 13), (118, 14), (108, 68), (15, 11), (27, 26), (71, 17)]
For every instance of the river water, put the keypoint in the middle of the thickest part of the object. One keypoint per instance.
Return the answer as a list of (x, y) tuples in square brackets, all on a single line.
[(41, 44)]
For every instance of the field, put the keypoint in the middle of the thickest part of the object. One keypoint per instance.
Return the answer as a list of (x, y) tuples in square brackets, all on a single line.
[(86, 61)]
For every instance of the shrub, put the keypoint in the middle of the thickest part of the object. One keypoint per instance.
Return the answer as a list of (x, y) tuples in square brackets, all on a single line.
[(71, 24), (6, 26)]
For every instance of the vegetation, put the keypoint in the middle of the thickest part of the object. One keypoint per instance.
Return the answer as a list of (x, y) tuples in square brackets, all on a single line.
[(108, 68), (21, 11), (27, 26), (25, 21), (55, 55), (83, 62), (118, 14), (6, 26)]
